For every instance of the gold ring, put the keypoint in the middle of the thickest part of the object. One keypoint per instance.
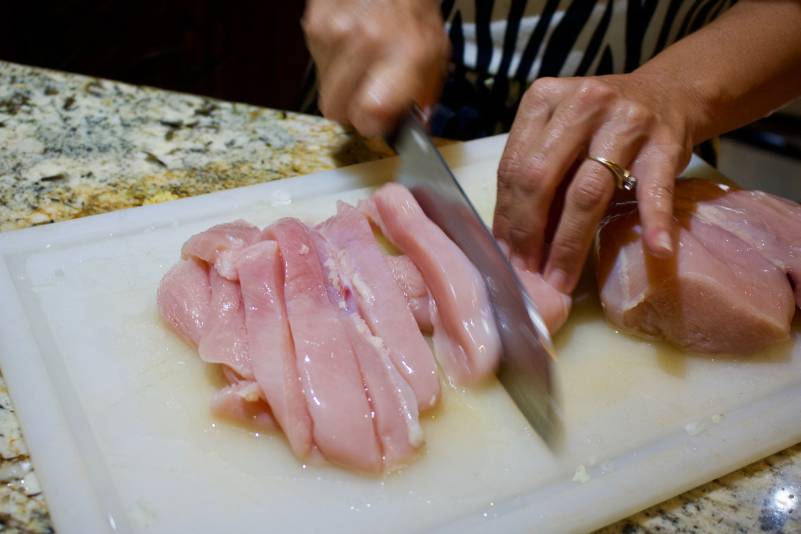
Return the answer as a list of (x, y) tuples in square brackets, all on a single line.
[(623, 178)]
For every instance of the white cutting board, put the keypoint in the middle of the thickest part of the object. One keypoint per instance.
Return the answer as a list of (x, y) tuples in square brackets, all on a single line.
[(114, 406)]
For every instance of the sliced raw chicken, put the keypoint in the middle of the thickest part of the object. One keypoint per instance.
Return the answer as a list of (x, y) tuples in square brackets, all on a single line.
[(224, 339), (183, 299), (333, 385), (218, 244), (242, 402), (468, 345), (261, 275), (393, 401), (411, 283), (717, 294), (381, 302)]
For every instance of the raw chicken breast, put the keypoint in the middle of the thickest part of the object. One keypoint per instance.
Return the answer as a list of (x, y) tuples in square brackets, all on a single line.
[(383, 306), (261, 275), (411, 283), (467, 344), (392, 400), (770, 224), (332, 383), (184, 297), (217, 245), (718, 294), (241, 402), (224, 339)]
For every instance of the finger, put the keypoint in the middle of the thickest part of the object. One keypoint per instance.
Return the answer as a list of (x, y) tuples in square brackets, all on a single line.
[(536, 159), (518, 164), (586, 201), (656, 169), (341, 79), (325, 31), (391, 86)]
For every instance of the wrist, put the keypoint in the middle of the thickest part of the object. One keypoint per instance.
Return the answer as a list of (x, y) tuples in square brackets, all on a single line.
[(690, 103)]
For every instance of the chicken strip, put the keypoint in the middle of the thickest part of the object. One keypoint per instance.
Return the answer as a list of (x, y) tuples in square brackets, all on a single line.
[(468, 345), (261, 274), (329, 373), (224, 340), (184, 298), (380, 301)]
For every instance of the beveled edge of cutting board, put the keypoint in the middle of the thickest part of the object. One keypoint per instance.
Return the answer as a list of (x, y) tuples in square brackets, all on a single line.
[(50, 442), (588, 506)]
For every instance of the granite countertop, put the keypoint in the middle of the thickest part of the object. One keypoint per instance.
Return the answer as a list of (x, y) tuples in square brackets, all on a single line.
[(72, 146)]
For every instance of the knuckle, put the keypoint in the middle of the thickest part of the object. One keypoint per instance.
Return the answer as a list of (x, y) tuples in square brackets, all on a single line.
[(523, 177), (543, 88), (310, 22), (519, 235), (337, 29), (508, 170), (568, 248), (546, 85), (593, 91), (636, 114), (370, 35), (588, 193)]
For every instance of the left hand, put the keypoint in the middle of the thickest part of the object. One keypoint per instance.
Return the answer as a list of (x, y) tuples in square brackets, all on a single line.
[(642, 123)]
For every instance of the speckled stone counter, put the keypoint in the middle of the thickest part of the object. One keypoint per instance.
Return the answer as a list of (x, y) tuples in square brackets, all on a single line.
[(73, 146)]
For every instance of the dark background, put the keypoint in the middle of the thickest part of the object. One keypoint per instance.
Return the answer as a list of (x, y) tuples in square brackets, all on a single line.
[(241, 50)]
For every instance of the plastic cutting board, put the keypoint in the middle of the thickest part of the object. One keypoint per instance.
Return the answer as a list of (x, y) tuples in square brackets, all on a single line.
[(114, 407)]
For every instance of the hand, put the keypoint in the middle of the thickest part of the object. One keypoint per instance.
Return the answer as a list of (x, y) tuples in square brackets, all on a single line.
[(637, 121), (375, 58)]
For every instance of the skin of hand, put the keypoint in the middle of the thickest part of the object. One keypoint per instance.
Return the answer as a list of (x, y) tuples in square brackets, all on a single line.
[(375, 58), (737, 69)]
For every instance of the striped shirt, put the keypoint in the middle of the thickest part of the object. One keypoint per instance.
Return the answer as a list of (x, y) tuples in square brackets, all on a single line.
[(498, 47)]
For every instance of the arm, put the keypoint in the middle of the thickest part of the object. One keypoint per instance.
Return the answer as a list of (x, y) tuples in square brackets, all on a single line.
[(740, 67), (735, 70)]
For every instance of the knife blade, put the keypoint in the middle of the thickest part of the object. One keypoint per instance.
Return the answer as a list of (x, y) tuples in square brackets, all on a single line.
[(526, 363)]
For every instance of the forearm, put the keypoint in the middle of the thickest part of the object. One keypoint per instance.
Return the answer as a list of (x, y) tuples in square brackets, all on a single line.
[(737, 69)]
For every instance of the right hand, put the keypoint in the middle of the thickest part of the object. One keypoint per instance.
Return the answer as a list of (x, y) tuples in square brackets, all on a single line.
[(375, 58)]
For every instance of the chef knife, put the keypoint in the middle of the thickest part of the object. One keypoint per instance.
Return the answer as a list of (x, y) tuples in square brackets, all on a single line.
[(526, 363)]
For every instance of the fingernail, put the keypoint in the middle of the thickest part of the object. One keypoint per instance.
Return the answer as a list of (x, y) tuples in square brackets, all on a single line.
[(557, 278), (664, 244)]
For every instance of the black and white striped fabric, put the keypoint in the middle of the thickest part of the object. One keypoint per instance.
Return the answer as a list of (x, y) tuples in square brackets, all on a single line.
[(498, 47)]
